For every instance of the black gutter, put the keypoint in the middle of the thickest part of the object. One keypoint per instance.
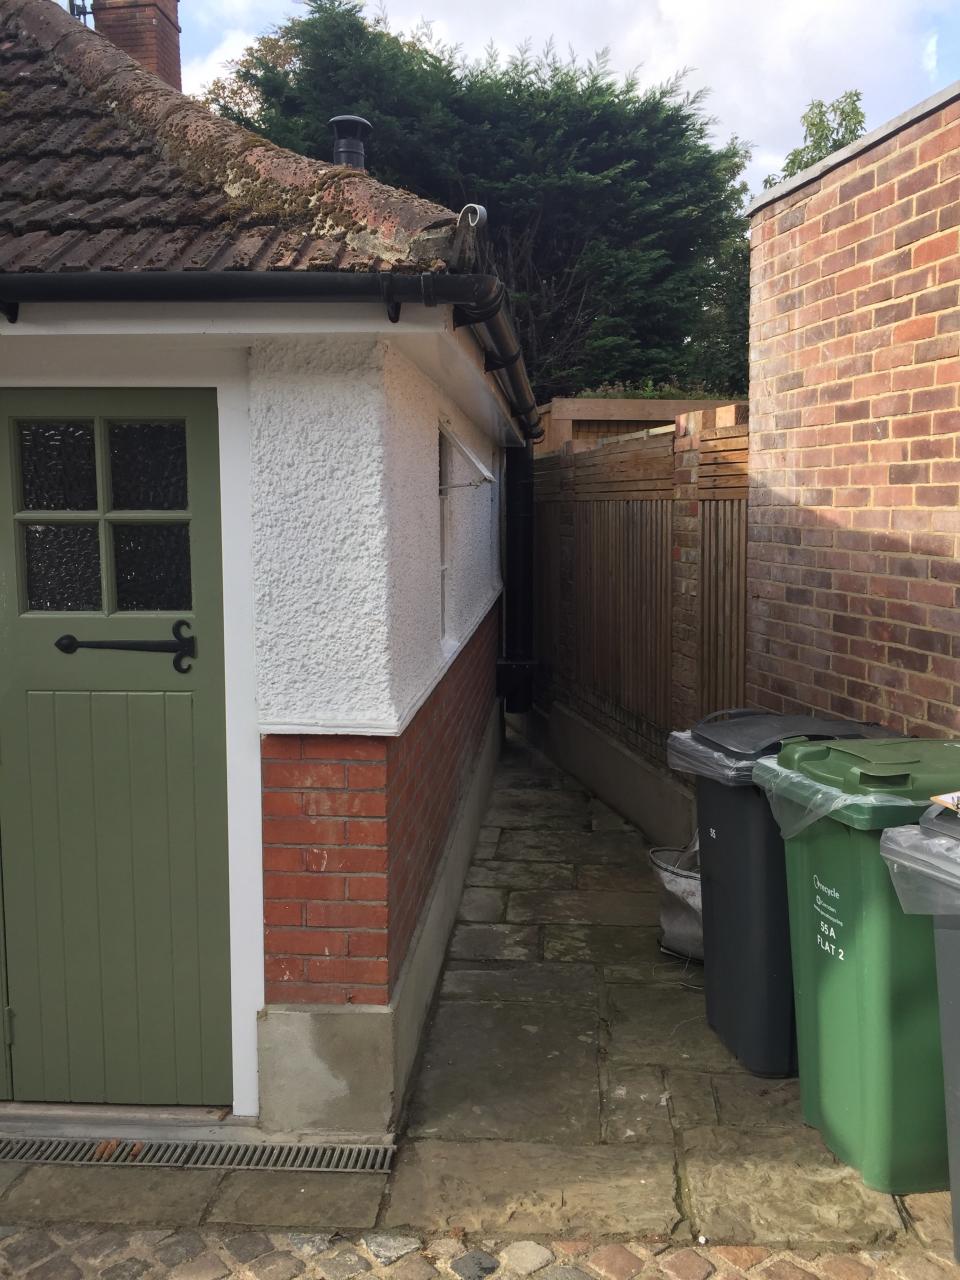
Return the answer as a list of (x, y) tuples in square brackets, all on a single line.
[(479, 301), (515, 668)]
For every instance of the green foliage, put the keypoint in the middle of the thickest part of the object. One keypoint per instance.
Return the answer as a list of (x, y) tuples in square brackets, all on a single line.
[(613, 218), (643, 391), (826, 128)]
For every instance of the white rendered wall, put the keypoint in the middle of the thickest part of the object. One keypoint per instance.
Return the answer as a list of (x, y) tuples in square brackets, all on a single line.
[(420, 653), (320, 567), (346, 516)]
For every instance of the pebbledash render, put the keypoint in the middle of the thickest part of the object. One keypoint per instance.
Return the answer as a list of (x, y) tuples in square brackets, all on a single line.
[(252, 610), (855, 430)]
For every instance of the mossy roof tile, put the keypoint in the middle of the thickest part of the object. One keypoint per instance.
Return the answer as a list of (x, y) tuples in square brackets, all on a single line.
[(105, 167)]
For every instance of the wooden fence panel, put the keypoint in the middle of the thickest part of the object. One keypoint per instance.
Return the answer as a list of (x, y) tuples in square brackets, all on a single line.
[(640, 549), (723, 603)]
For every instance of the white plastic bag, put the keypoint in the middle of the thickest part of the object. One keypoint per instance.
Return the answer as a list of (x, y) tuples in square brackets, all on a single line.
[(687, 754), (784, 787), (677, 871)]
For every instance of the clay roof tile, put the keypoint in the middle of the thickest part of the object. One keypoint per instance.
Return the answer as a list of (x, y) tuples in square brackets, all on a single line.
[(105, 167)]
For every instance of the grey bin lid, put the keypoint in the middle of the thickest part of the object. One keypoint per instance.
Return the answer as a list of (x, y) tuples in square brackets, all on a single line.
[(938, 821), (748, 735), (924, 863)]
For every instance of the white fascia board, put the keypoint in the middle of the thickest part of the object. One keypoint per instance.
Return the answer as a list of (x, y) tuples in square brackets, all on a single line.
[(230, 320), (425, 335)]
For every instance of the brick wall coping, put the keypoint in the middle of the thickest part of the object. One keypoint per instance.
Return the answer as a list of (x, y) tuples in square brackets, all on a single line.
[(837, 158)]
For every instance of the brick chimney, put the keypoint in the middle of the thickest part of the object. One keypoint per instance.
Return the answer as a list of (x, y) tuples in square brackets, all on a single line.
[(146, 29)]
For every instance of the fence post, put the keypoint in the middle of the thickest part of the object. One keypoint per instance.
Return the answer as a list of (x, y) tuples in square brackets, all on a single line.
[(685, 578)]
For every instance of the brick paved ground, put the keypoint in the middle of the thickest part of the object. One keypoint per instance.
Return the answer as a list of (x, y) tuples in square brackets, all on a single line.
[(574, 1117)]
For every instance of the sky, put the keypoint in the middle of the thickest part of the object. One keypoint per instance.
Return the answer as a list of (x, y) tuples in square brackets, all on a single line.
[(762, 60)]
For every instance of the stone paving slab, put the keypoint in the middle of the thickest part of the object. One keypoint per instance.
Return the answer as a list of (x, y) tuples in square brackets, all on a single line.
[(748, 1102), (655, 966), (664, 1025), (784, 1188), (738, 1100), (537, 809), (513, 1189), (573, 985), (693, 1103), (495, 942), (490, 1071), (601, 944), (340, 1201), (931, 1215), (583, 906), (636, 1105), (623, 847), (624, 879), (53, 1193), (520, 875), (482, 905), (520, 776)]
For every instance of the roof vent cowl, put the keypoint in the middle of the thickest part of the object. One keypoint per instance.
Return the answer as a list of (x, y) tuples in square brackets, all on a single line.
[(349, 137)]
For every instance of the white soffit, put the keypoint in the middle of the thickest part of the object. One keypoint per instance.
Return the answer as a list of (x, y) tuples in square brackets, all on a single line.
[(425, 335)]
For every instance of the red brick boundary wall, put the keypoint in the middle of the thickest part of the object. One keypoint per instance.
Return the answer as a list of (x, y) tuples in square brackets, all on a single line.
[(855, 437), (353, 831)]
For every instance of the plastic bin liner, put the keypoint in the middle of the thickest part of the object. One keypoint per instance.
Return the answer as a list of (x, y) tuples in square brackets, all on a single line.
[(687, 755), (925, 870), (797, 802), (681, 909)]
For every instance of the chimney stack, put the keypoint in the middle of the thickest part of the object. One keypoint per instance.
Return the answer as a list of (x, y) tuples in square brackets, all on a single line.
[(349, 135), (146, 29)]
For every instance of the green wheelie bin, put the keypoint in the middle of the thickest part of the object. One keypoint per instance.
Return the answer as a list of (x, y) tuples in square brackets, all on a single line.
[(865, 985)]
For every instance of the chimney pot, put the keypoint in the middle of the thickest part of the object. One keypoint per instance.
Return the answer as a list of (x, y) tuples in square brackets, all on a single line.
[(349, 137)]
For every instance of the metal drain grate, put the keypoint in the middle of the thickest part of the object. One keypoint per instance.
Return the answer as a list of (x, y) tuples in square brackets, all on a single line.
[(302, 1157)]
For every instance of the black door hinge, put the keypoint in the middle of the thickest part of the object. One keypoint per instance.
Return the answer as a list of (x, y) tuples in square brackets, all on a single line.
[(8, 1025)]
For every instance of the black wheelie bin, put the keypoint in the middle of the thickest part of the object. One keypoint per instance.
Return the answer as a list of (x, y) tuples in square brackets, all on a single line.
[(748, 973)]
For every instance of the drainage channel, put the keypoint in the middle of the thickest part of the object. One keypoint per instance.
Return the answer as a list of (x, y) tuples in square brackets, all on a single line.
[(156, 1154)]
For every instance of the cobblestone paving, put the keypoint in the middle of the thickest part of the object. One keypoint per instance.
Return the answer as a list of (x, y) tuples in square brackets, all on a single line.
[(574, 1119), (91, 1253)]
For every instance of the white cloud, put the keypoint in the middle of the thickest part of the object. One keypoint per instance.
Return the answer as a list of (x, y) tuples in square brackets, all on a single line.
[(198, 72), (929, 59)]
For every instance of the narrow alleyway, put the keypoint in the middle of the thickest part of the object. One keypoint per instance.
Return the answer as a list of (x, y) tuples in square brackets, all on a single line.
[(569, 1080), (574, 1119)]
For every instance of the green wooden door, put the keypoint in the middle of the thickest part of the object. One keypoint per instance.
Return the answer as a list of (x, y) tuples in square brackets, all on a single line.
[(112, 759)]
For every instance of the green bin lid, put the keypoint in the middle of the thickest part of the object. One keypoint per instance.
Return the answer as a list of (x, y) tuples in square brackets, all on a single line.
[(913, 769)]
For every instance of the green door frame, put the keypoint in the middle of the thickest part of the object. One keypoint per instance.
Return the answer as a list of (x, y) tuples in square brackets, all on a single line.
[(194, 702)]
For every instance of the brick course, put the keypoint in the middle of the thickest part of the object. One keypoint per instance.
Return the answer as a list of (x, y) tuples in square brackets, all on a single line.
[(353, 831), (855, 461), (146, 29)]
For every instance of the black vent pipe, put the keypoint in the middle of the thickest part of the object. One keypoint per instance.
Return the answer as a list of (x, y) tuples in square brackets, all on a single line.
[(516, 667), (350, 134)]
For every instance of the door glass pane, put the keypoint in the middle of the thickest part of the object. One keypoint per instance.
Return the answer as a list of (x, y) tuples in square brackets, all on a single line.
[(152, 565), (148, 466), (58, 470), (63, 566)]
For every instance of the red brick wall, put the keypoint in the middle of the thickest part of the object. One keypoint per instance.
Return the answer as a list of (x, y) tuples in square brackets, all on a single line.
[(353, 830), (855, 460), (146, 29)]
